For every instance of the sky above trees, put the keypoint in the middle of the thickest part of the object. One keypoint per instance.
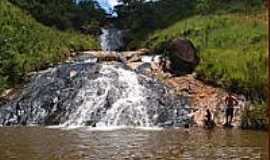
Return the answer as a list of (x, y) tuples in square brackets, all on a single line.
[(108, 4)]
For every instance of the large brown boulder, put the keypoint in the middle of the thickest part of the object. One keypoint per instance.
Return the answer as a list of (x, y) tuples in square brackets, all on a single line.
[(183, 55)]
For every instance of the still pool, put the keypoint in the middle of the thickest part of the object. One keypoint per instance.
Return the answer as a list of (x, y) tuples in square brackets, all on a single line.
[(128, 143)]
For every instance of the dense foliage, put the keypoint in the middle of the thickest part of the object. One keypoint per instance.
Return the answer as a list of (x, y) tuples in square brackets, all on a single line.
[(64, 14), (143, 17), (26, 45), (136, 14)]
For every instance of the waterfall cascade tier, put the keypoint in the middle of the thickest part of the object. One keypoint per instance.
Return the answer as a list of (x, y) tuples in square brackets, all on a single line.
[(87, 93), (112, 39)]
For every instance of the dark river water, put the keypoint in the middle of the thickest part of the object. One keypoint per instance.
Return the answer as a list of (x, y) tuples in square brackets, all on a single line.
[(136, 144)]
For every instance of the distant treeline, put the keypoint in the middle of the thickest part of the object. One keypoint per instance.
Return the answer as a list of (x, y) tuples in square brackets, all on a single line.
[(142, 16), (65, 14)]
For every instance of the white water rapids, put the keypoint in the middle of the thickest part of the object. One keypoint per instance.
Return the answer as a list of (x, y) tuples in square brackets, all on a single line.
[(128, 109), (111, 39)]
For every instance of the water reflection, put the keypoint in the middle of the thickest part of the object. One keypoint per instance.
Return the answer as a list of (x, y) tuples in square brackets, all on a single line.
[(82, 144)]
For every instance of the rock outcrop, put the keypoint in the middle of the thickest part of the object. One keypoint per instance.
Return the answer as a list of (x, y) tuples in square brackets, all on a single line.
[(61, 95), (205, 97), (85, 92)]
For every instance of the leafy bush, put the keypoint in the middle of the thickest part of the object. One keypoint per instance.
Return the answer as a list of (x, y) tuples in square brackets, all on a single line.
[(255, 116)]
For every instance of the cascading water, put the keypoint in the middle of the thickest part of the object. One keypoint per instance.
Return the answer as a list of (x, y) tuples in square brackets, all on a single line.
[(111, 39), (128, 109), (87, 93)]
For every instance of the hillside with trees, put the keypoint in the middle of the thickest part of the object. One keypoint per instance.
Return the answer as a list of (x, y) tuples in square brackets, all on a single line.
[(64, 14), (27, 45)]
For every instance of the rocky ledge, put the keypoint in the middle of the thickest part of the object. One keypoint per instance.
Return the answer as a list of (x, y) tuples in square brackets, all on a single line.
[(49, 98), (85, 92)]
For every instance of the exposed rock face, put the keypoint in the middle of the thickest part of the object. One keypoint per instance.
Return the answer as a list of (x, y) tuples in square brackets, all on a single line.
[(183, 55), (204, 97), (87, 93)]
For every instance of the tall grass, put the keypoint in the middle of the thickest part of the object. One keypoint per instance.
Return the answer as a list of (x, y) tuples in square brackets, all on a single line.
[(233, 49), (26, 45)]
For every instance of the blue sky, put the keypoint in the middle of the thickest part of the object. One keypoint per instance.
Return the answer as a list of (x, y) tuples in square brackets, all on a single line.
[(108, 4)]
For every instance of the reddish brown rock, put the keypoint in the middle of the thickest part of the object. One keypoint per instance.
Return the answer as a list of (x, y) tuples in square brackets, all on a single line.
[(204, 96)]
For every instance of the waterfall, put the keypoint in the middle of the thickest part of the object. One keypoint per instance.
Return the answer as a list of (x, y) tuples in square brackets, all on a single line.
[(85, 92), (111, 39), (129, 108)]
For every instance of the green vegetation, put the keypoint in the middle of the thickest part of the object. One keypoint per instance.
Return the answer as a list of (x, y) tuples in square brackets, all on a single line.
[(143, 17), (233, 56), (231, 37), (26, 45), (64, 14), (255, 116)]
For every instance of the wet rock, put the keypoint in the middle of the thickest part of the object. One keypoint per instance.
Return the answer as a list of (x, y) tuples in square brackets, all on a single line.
[(86, 93), (144, 68)]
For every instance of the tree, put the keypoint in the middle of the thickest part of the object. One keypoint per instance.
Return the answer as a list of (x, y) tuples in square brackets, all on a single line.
[(64, 14), (205, 6)]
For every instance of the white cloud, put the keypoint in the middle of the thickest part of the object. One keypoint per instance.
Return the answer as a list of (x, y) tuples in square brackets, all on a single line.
[(113, 2), (108, 3)]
